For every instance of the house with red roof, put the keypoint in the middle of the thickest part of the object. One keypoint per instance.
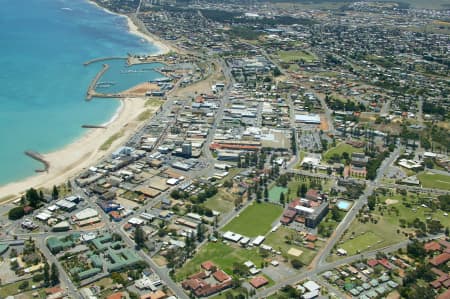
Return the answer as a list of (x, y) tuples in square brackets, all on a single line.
[(258, 282), (202, 285), (435, 284), (445, 295), (385, 263), (118, 295), (221, 276), (311, 238), (208, 265), (372, 263), (444, 243), (440, 259), (432, 246)]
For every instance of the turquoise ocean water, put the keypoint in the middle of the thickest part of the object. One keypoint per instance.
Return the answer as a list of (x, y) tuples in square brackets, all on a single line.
[(43, 81)]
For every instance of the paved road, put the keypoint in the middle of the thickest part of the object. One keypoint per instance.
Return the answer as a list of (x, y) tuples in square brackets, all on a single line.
[(162, 272), (224, 98), (319, 263), (311, 273), (327, 114), (63, 277), (437, 171)]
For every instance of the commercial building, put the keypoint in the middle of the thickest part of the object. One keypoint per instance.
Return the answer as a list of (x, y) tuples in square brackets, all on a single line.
[(186, 149), (308, 118)]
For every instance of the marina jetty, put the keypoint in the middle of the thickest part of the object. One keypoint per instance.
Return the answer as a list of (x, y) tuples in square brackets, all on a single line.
[(38, 157), (102, 59), (91, 89), (93, 127)]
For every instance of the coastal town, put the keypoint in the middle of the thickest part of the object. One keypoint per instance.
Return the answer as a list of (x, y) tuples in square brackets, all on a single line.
[(286, 149)]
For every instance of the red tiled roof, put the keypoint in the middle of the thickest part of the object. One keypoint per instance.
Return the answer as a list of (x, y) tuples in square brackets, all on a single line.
[(446, 283), (155, 295), (440, 259), (258, 282), (114, 214), (385, 263), (199, 275), (293, 204), (445, 295), (300, 219), (435, 284), (444, 243), (117, 295), (208, 265), (372, 263), (432, 246), (312, 194), (311, 238), (310, 245), (209, 290), (285, 220), (221, 276), (437, 271), (290, 214), (400, 263), (192, 284), (233, 146), (53, 290)]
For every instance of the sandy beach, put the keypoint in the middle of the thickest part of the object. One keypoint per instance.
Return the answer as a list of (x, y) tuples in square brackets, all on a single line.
[(69, 161), (139, 31), (84, 152), (136, 27)]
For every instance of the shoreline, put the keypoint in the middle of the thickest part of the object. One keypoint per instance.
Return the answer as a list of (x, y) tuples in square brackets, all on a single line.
[(84, 151), (135, 29)]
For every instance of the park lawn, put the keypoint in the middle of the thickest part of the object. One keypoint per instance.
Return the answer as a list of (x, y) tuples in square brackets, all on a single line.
[(296, 182), (223, 255), (255, 220), (222, 202), (277, 241), (408, 213), (339, 149), (13, 288), (370, 236), (293, 68), (361, 242), (384, 233), (295, 56), (274, 193), (234, 292), (434, 180)]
